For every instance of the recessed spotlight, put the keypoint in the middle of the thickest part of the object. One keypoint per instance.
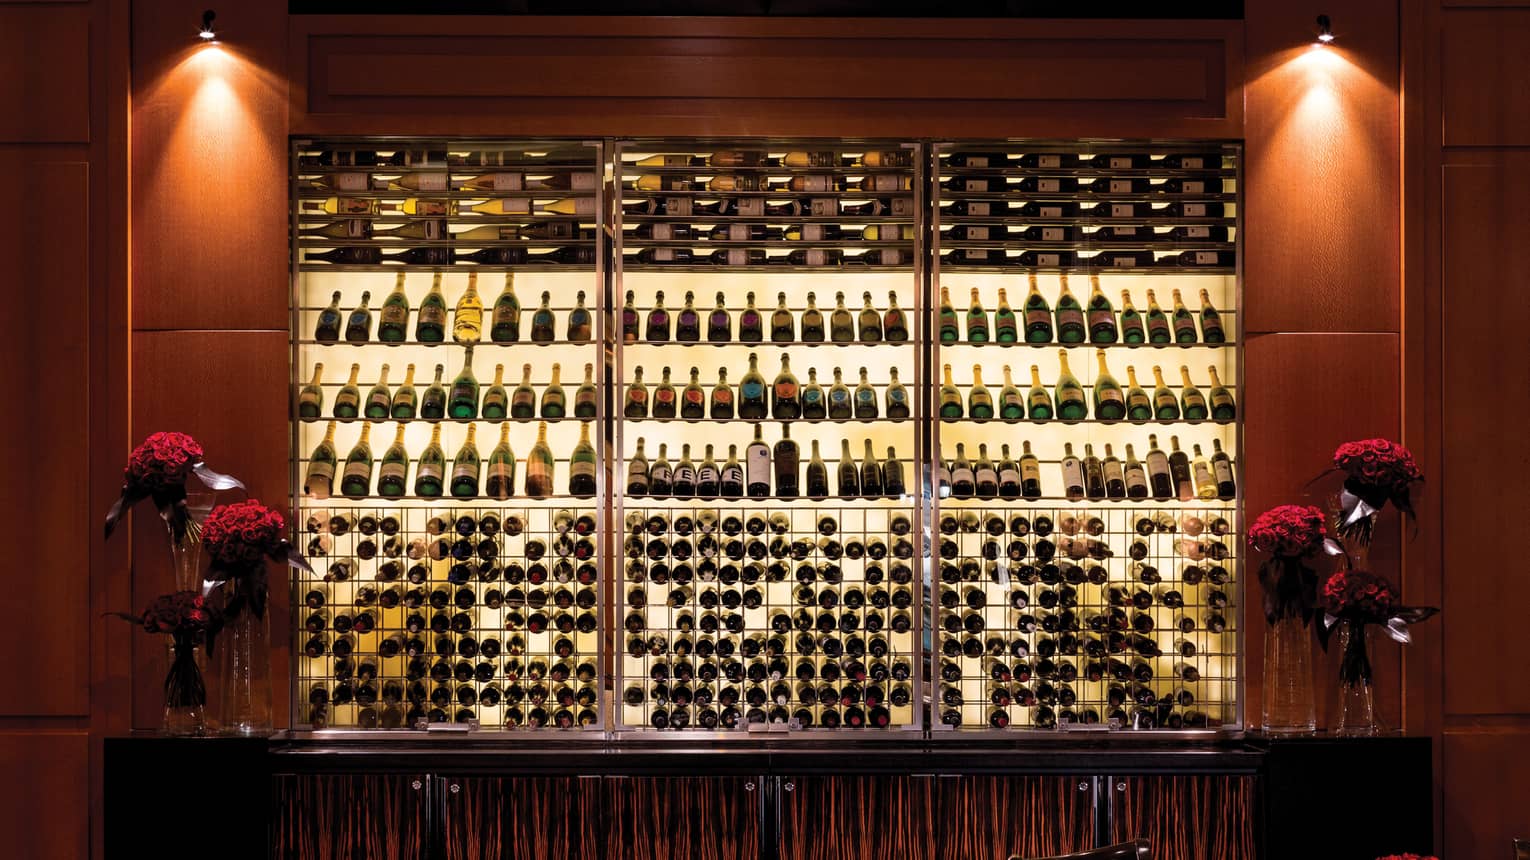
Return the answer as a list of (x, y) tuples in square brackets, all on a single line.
[(207, 33), (1325, 30)]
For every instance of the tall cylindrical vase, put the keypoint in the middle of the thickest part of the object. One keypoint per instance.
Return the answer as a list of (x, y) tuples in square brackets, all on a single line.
[(185, 561), (1290, 708), (185, 690), (244, 673), (1357, 702)]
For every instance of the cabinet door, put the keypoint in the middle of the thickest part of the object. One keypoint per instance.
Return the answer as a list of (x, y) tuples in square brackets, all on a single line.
[(520, 818), (856, 818), (351, 817), (1186, 817), (661, 818), (1006, 816)]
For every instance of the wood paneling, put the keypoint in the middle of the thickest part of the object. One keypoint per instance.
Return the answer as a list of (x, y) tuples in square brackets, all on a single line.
[(658, 818), (376, 816), (1486, 79), (1009, 816), (41, 207), (1484, 786), (1187, 817), (857, 818), (48, 779), (203, 383), (45, 74), (1322, 174), (532, 818)]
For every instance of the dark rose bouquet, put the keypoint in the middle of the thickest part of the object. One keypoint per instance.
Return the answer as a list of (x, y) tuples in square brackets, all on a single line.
[(189, 618), (1357, 598), (158, 470), (1291, 534), (1408, 857), (1376, 471), (240, 538)]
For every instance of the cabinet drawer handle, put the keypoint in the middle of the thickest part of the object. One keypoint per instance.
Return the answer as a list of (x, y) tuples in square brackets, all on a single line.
[(416, 785), (454, 788), (1120, 786), (1083, 786), (790, 786), (749, 786)]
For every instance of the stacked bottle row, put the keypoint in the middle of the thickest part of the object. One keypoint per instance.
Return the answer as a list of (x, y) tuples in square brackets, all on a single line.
[(1053, 617), (1068, 402), (458, 401), (785, 325), (485, 615), (1071, 323), (430, 320), (788, 619), (1161, 476)]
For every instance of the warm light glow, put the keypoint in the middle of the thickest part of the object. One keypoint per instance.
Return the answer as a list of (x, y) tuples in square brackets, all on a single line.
[(207, 33), (1325, 30)]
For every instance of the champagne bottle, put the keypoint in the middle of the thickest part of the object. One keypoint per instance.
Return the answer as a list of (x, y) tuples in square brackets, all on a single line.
[(1221, 470), (1139, 407), (581, 467), (814, 406), (496, 402), (433, 403), (319, 480), (630, 318), (1006, 326), (379, 399), (463, 401), (467, 320), (506, 324), (963, 482), (841, 404), (1222, 406), (1071, 327), (1179, 471), (849, 478), (635, 403), (817, 476), (1073, 474), (404, 399), (892, 477), (897, 397), (977, 320), (1038, 402), (637, 471), (1038, 315), (660, 475), (327, 329), (870, 321), (721, 408), (393, 476), (579, 321), (751, 323), (946, 324), (1159, 479), (785, 403), (1135, 476), (586, 398), (500, 482), (664, 405), (554, 401), (311, 396), (865, 398), (358, 326), (348, 401), (719, 322), (841, 324), (812, 321), (985, 476), (356, 480), (1071, 405), (1115, 475), (950, 397), (751, 392), (708, 478), (1184, 321), (393, 319), (757, 458), (1192, 401), (894, 322), (1202, 480), (693, 400), (979, 399), (1102, 317), (1109, 402), (1165, 404), (1133, 330), (1158, 328), (942, 477), (1094, 474), (465, 467), (1011, 404), (1008, 475), (542, 325), (430, 322), (429, 475), (730, 481), (782, 324), (1211, 321), (871, 475), (785, 459), (539, 466)]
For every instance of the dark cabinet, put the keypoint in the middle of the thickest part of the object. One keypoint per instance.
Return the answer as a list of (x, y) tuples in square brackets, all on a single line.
[(520, 818), (371, 816), (1004, 816), (656, 818), (865, 817), (1193, 817)]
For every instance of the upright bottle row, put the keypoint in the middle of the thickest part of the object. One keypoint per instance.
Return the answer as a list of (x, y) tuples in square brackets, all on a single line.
[(753, 421)]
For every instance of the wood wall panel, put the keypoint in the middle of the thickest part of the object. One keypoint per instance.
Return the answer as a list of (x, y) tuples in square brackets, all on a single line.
[(1012, 816), (1187, 817), (1484, 787), (717, 818), (531, 818), (1486, 77), (47, 775), (857, 818), (45, 74), (206, 383), (340, 817), (41, 208)]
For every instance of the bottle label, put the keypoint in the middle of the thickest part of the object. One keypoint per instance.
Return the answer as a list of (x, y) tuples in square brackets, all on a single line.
[(812, 182), (1192, 162), (812, 395), (978, 208), (349, 181), (662, 232), (1223, 470), (358, 469), (582, 468), (430, 181), (812, 232), (665, 396), (321, 472), (1123, 210), (737, 257), (694, 397), (750, 207), (975, 161), (501, 472), (432, 314), (1011, 401), (839, 396), (1158, 327), (1195, 398), (894, 395), (499, 182), (1048, 186), (961, 475), (1192, 186), (1109, 395), (1039, 398), (986, 475), (1010, 475), (1073, 472), (634, 395), (1048, 259), (1053, 234), (732, 475), (392, 471), (752, 390), (1136, 480), (973, 183), (394, 314), (329, 319), (758, 458), (866, 397), (1101, 320), (738, 233), (1120, 162), (885, 257), (977, 234), (1113, 471), (1220, 398), (786, 390), (465, 470), (722, 395), (1067, 317), (660, 475), (1049, 161), (815, 257), (1194, 210), (1197, 232), (1120, 186), (1184, 325), (1158, 463), (1123, 261), (1206, 258), (677, 205), (1038, 317), (1202, 475), (663, 255), (428, 471)]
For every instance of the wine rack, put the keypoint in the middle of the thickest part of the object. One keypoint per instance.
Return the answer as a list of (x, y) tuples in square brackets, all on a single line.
[(515, 568), (1071, 628)]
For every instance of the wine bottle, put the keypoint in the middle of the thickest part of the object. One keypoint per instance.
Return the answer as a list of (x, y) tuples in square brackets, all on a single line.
[(708, 478), (1011, 405), (500, 481), (897, 397), (841, 403), (782, 324), (579, 321), (684, 485), (1073, 474), (1139, 407), (894, 322), (542, 325), (467, 320), (1192, 401), (977, 320), (1202, 480), (841, 323), (1132, 328), (327, 329), (1211, 321), (1183, 322), (1133, 476), (1038, 316), (979, 399), (947, 326), (1008, 475), (466, 467), (963, 482), (721, 400), (785, 403), (687, 323), (1071, 327), (379, 401), (1223, 408), (660, 475), (393, 476), (348, 401), (1179, 471), (637, 472), (893, 484), (1094, 474), (539, 466), (358, 326), (581, 467), (585, 396), (872, 486), (1115, 475), (1071, 405), (950, 397), (311, 395), (635, 402), (730, 481), (817, 476), (319, 480), (812, 321), (985, 476), (1158, 328), (751, 392), (429, 474), (393, 318), (812, 396), (1222, 471), (430, 322), (1109, 402), (554, 401), (630, 318), (1102, 317), (356, 480), (865, 399), (870, 322), (751, 323), (757, 458), (849, 480), (463, 400), (1165, 404), (1039, 405), (1159, 479), (664, 397), (785, 459)]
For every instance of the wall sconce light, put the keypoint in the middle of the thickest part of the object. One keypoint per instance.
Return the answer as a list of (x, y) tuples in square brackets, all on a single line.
[(1325, 30), (207, 33)]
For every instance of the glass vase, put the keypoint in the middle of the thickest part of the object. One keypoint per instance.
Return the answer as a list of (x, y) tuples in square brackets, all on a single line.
[(1289, 704), (185, 560), (244, 673), (1357, 702), (185, 691)]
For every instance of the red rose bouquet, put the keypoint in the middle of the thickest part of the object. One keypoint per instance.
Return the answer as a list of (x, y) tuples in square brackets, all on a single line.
[(1408, 857), (240, 538), (189, 618), (1357, 598), (158, 470), (1291, 535), (1376, 471)]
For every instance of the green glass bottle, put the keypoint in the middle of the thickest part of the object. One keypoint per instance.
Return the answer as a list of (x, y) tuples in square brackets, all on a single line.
[(635, 402), (539, 466), (977, 320), (814, 405), (1038, 401), (1192, 402), (870, 321), (542, 321), (812, 321), (1030, 473), (430, 473), (496, 401), (865, 399), (1038, 315), (348, 401), (1133, 330), (1011, 403), (327, 329), (466, 467), (405, 400), (785, 394), (499, 480), (1211, 321), (783, 326), (554, 401), (505, 324), (947, 326), (1184, 321), (894, 321), (950, 397), (979, 398), (393, 475), (1223, 408), (379, 400), (319, 480), (579, 321), (1139, 406), (358, 326), (356, 480), (897, 397), (1165, 404), (523, 402), (1158, 329), (664, 396), (841, 403), (1071, 327), (311, 396), (816, 486), (1006, 326), (463, 401), (751, 392), (585, 397), (1109, 402), (393, 319), (433, 401), (1071, 405), (430, 322), (581, 467), (841, 323), (721, 406), (1102, 317)]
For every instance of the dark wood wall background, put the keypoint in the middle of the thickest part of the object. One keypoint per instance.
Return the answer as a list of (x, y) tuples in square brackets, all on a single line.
[(1343, 294)]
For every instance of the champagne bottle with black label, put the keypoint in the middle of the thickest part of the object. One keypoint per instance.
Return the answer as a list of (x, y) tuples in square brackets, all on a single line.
[(356, 480), (1008, 475), (1102, 317), (841, 402), (985, 476), (1223, 408), (1071, 405), (348, 401), (751, 323), (506, 324), (870, 322), (963, 482), (721, 400), (814, 404), (467, 320), (581, 466), (1071, 325), (1094, 474), (433, 402), (635, 402), (358, 326), (979, 398), (1158, 327), (1222, 471), (393, 475), (539, 466), (1165, 404), (637, 472), (893, 484), (499, 483), (950, 397), (1184, 321), (752, 403), (731, 479), (1073, 474), (311, 395), (1115, 475), (1038, 401), (1133, 329), (660, 475), (785, 401), (849, 479), (1139, 406), (585, 397), (977, 320), (1006, 326), (430, 322), (463, 400), (949, 330), (319, 480), (812, 321), (1211, 321), (1160, 482), (708, 477), (554, 401), (379, 400), (664, 397), (393, 318), (1192, 401), (1135, 476), (1038, 315), (1109, 401), (871, 475), (1179, 471), (430, 474), (542, 321), (580, 322), (466, 467), (894, 321), (785, 459), (757, 460), (817, 476), (897, 397), (865, 398), (327, 329)]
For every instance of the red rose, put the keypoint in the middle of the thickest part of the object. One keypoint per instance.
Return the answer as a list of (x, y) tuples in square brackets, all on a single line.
[(240, 536), (1288, 531), (163, 460)]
